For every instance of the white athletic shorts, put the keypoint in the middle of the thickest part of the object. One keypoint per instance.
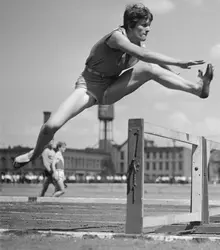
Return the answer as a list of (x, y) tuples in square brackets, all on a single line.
[(60, 174)]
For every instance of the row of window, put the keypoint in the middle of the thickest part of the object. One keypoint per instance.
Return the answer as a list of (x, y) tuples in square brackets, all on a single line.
[(70, 162), (164, 166), (166, 155), (161, 166), (160, 155), (82, 163)]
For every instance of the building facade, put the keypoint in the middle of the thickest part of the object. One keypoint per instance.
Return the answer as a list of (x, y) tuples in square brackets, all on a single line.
[(77, 162), (158, 161), (214, 166), (84, 162)]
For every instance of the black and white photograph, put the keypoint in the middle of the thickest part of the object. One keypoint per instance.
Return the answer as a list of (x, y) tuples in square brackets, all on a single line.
[(109, 124)]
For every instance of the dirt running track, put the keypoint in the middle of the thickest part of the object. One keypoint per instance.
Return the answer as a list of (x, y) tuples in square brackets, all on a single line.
[(71, 216), (87, 217)]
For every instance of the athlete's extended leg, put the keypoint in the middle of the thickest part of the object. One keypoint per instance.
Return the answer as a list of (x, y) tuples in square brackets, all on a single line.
[(72, 106), (142, 72)]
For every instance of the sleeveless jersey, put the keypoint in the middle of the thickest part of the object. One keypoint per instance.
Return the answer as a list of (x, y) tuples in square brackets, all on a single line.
[(109, 61)]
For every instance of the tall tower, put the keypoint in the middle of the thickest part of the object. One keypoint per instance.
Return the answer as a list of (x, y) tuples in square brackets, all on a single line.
[(106, 117)]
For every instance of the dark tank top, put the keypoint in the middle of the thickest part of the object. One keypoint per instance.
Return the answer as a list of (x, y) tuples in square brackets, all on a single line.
[(109, 61)]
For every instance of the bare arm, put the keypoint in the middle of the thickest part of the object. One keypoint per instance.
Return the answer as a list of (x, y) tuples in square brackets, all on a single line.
[(45, 160), (119, 41), (53, 165), (53, 168), (168, 68)]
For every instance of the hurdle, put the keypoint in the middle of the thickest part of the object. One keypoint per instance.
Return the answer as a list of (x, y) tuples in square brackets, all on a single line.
[(199, 202)]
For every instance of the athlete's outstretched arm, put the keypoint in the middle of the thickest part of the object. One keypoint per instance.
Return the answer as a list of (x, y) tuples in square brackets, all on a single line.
[(119, 41)]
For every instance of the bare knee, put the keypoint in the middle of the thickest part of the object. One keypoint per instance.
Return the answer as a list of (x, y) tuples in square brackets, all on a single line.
[(158, 71), (128, 82), (141, 73)]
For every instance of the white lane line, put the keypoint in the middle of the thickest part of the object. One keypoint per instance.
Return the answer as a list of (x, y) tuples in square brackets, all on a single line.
[(106, 235), (73, 220), (150, 201), (54, 214)]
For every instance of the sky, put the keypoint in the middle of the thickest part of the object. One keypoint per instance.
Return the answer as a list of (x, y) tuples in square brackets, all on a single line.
[(43, 48)]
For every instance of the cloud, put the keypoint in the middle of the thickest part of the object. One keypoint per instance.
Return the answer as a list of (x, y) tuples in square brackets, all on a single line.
[(120, 132), (167, 91), (88, 116), (215, 51), (213, 125), (120, 108), (161, 106), (159, 6), (31, 130), (179, 121), (208, 127), (195, 2)]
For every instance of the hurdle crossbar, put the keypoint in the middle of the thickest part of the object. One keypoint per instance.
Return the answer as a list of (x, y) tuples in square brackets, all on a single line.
[(135, 220), (152, 129)]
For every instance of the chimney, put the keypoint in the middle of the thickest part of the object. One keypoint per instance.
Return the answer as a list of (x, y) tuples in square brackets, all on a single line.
[(46, 115)]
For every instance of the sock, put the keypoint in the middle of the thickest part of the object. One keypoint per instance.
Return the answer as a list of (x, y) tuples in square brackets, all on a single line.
[(23, 158)]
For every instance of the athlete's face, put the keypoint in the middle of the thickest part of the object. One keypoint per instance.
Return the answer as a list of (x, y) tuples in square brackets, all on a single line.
[(141, 29)]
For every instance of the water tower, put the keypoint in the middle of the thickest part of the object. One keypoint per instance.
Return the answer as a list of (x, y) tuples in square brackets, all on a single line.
[(106, 117)]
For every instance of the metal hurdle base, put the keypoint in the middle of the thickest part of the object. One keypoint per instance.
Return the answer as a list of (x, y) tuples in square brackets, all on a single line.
[(195, 227)]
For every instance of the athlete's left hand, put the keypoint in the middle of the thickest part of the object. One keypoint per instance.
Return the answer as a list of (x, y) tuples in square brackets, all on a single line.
[(189, 64)]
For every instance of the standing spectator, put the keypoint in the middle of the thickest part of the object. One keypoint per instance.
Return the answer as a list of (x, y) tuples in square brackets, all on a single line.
[(47, 157), (58, 169)]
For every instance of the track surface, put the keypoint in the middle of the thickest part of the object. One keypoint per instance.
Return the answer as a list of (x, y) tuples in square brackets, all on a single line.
[(74, 217), (88, 216), (88, 212)]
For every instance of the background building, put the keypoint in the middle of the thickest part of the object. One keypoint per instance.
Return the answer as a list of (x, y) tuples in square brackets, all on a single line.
[(110, 159), (78, 163), (214, 166), (159, 161)]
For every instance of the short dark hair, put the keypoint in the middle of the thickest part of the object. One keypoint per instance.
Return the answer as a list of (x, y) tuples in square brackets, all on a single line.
[(60, 144), (135, 12)]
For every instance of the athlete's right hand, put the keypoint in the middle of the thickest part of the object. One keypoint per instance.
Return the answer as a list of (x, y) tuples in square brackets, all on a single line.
[(189, 64)]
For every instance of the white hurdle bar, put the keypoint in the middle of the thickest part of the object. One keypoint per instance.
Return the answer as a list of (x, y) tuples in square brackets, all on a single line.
[(135, 220)]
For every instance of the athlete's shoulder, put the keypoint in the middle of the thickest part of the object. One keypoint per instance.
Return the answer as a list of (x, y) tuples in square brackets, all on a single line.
[(119, 30), (116, 36)]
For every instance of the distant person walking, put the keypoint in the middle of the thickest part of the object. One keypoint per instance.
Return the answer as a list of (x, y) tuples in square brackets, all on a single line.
[(48, 157), (58, 169)]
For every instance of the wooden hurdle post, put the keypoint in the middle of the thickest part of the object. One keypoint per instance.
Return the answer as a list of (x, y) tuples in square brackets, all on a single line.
[(199, 187), (199, 210), (135, 195)]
